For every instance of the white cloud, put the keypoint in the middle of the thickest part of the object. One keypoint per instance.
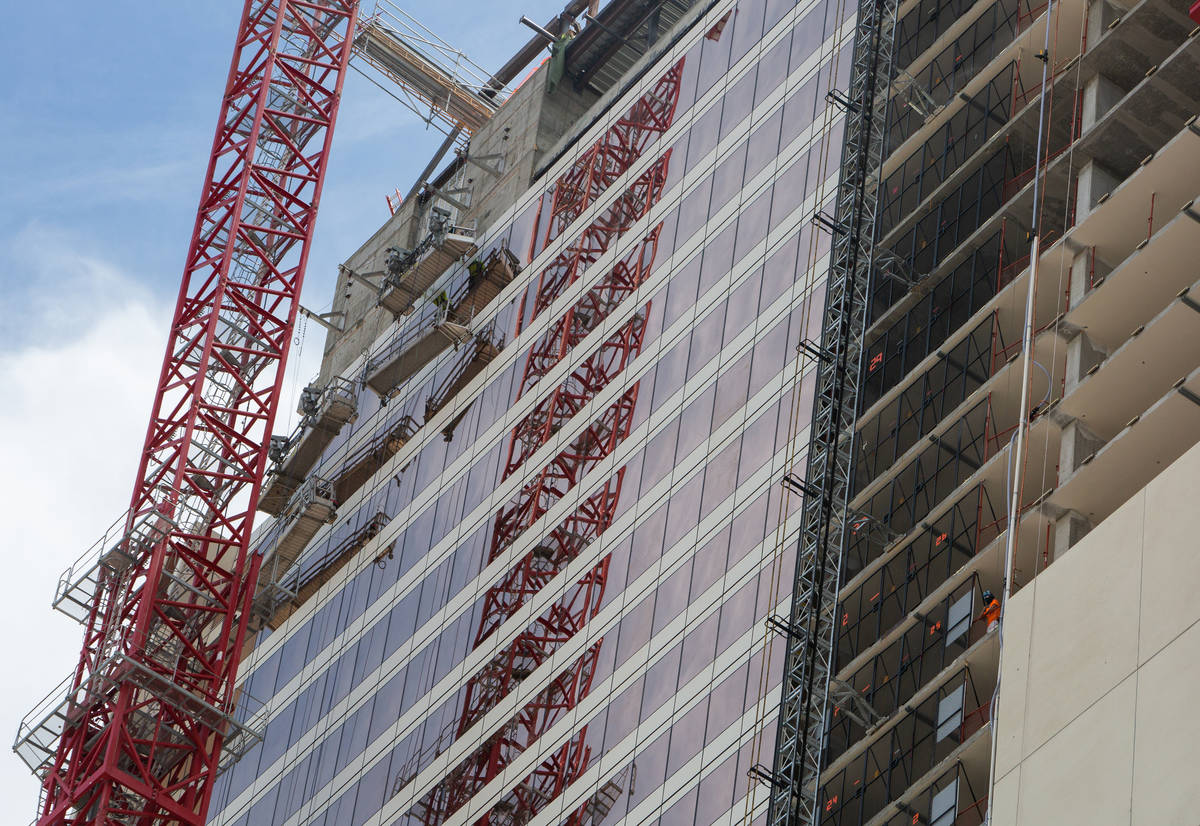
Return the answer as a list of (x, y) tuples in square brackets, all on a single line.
[(142, 183), (70, 432), (61, 290), (77, 386)]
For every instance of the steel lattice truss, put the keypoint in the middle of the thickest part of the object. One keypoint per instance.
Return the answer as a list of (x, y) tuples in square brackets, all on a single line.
[(153, 694), (604, 162), (812, 628)]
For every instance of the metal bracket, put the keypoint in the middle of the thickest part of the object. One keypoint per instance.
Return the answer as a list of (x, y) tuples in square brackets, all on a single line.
[(833, 227), (323, 319), (764, 775), (483, 162), (447, 195), (543, 33), (797, 485), (365, 280), (840, 100), (815, 351), (855, 518), (851, 701), (785, 628), (892, 266), (917, 96)]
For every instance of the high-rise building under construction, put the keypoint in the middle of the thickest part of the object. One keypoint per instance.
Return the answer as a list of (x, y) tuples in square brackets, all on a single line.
[(671, 432), (1015, 250)]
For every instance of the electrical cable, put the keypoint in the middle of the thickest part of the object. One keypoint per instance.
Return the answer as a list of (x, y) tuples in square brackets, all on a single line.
[(1018, 444), (793, 432)]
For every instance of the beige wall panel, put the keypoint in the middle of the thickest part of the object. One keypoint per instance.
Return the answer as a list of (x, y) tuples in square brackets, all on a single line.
[(1085, 634), (1084, 774), (1004, 799), (1097, 742), (1010, 729), (1171, 556), (1167, 744)]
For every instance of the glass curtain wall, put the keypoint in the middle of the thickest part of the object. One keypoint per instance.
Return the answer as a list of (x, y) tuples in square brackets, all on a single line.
[(366, 689)]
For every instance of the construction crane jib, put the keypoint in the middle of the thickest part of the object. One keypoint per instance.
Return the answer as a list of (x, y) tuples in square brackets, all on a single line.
[(148, 715)]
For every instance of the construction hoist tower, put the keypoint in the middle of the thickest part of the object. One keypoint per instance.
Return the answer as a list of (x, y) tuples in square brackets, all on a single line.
[(810, 631)]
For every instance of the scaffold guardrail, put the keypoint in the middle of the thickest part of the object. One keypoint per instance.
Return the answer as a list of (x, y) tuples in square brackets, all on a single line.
[(40, 730), (117, 549)]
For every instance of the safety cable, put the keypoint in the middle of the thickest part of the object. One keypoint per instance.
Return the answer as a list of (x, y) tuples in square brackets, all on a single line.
[(1018, 445), (793, 429)]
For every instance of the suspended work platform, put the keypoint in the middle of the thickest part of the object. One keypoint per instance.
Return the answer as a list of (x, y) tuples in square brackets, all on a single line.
[(365, 461), (487, 278), (325, 412), (399, 362), (404, 357), (410, 273), (311, 507), (306, 580), (480, 355)]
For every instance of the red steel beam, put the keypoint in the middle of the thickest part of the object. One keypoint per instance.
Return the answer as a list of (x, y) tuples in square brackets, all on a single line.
[(153, 693)]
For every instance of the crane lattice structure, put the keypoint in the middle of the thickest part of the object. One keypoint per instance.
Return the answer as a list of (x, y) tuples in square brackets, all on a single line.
[(595, 171), (795, 779), (141, 732)]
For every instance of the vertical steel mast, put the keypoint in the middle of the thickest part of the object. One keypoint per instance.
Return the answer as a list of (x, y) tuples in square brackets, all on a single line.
[(142, 731), (810, 642)]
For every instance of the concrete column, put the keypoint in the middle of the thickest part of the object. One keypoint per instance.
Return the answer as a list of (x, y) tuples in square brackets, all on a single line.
[(1099, 96), (1085, 269), (1078, 443), (1069, 529), (1101, 13), (1082, 356), (1094, 182)]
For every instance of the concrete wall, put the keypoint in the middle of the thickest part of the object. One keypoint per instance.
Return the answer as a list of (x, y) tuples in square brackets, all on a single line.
[(513, 142), (1097, 722), (521, 132)]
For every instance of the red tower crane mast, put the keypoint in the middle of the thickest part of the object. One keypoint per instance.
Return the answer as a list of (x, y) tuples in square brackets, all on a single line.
[(143, 729)]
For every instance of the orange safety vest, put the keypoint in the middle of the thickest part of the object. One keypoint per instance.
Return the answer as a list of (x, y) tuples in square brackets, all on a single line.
[(991, 611)]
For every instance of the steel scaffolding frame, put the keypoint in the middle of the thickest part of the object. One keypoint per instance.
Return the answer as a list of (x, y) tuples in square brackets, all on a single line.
[(918, 408), (950, 70), (916, 741), (809, 655)]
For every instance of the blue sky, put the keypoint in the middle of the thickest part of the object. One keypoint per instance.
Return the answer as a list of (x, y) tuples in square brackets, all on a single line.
[(105, 125)]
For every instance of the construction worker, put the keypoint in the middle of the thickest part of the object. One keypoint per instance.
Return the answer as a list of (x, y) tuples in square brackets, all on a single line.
[(442, 301), (991, 610)]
